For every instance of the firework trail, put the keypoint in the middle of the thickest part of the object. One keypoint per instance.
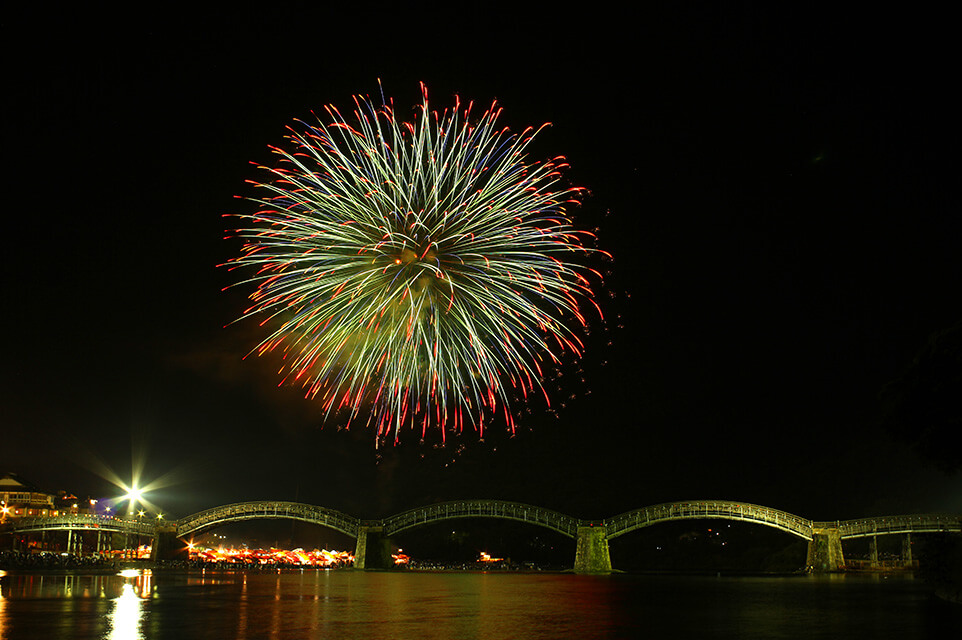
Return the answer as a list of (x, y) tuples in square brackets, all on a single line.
[(417, 271)]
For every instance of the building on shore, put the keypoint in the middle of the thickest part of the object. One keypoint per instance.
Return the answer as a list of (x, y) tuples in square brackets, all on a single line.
[(20, 498)]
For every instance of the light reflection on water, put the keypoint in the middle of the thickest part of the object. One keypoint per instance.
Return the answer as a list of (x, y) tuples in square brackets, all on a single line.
[(346, 604), (3, 605), (126, 618)]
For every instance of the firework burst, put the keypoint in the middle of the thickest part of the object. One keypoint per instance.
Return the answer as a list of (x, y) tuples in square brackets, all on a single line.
[(419, 272)]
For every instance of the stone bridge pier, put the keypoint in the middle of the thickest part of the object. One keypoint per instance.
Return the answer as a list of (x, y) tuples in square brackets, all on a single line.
[(166, 545), (825, 550), (591, 550), (373, 549)]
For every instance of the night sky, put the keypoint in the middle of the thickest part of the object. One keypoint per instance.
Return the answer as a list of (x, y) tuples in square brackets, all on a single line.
[(778, 190)]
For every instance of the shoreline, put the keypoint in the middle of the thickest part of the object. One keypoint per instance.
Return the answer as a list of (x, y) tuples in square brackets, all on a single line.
[(161, 568)]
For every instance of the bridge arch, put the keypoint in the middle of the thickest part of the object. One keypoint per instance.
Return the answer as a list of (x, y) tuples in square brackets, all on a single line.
[(708, 509), (520, 512), (272, 510)]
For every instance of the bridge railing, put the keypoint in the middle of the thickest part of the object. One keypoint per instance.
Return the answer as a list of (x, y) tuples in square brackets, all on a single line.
[(916, 523), (93, 522), (708, 509), (268, 509), (564, 524)]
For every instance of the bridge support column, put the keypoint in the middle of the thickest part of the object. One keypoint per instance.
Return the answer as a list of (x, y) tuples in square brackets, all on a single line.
[(373, 549), (825, 551), (591, 551), (873, 552), (165, 544), (907, 550)]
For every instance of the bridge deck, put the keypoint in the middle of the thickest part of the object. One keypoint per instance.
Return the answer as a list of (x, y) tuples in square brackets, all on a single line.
[(917, 523), (79, 522), (236, 512), (566, 525), (563, 524), (708, 509)]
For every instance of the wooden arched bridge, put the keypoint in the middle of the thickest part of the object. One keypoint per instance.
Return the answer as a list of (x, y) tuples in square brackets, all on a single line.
[(592, 536)]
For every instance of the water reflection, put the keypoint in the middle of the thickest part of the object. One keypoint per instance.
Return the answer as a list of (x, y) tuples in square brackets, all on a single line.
[(127, 614), (3, 606), (242, 613), (409, 606)]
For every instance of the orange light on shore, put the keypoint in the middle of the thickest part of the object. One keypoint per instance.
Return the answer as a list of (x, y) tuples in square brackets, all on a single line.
[(315, 558)]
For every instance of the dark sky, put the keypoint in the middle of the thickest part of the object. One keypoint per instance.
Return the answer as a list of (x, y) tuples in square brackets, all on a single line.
[(778, 189)]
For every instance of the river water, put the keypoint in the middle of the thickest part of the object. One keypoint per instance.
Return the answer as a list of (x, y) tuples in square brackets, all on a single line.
[(423, 606)]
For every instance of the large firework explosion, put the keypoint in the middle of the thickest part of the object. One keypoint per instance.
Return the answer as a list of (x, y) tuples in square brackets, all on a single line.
[(419, 272)]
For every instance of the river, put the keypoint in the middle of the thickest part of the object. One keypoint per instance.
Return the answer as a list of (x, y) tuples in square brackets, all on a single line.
[(423, 606)]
